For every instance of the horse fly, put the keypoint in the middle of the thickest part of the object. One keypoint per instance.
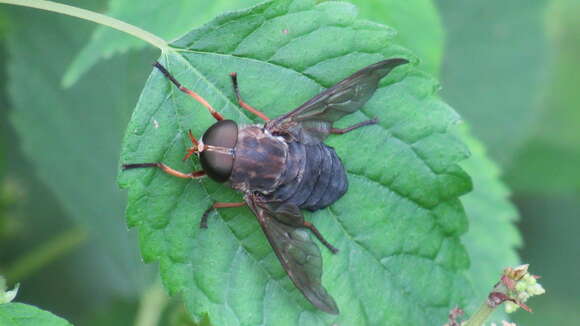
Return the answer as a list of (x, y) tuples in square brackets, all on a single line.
[(283, 166)]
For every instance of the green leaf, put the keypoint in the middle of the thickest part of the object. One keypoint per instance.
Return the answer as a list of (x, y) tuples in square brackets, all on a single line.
[(417, 23), (168, 20), (398, 227), (19, 314), (494, 68), (492, 238), (72, 137)]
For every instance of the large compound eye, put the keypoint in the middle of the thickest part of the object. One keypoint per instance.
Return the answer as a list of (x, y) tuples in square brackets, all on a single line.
[(218, 166)]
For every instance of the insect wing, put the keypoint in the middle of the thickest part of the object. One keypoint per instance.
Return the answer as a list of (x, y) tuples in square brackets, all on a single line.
[(299, 256), (316, 116)]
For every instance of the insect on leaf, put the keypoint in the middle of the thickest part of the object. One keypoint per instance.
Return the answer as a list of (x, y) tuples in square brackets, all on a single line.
[(398, 226)]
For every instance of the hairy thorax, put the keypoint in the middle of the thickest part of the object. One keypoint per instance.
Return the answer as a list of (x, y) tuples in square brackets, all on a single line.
[(259, 160)]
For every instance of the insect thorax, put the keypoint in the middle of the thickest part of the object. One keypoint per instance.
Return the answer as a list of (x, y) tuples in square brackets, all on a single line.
[(259, 160)]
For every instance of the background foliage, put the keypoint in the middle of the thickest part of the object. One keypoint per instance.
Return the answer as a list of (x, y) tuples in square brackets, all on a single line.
[(510, 70)]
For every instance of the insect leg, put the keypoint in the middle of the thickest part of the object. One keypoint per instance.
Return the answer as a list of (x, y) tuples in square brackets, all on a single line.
[(290, 214), (203, 222), (243, 104), (189, 92), (317, 233), (166, 169), (338, 131)]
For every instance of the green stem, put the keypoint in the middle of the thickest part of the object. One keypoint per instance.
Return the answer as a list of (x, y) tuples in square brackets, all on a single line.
[(44, 254), (480, 316), (94, 17), (151, 306)]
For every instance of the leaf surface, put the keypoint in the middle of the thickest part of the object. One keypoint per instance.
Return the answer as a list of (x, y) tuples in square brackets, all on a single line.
[(492, 239), (418, 25), (19, 314), (398, 226)]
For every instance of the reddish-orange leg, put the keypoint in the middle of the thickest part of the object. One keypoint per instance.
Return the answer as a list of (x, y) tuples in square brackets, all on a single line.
[(337, 131), (317, 233), (166, 169), (189, 92), (243, 104), (203, 222)]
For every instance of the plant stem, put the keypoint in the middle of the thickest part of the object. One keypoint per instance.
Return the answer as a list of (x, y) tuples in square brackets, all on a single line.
[(151, 306), (480, 316), (94, 17), (44, 254)]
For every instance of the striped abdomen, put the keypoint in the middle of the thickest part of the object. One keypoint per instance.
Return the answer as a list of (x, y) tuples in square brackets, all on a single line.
[(313, 178)]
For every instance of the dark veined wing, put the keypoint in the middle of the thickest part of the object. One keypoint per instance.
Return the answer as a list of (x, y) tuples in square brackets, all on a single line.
[(312, 121), (299, 255)]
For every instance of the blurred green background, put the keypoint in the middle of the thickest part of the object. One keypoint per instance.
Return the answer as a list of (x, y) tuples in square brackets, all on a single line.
[(511, 69)]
